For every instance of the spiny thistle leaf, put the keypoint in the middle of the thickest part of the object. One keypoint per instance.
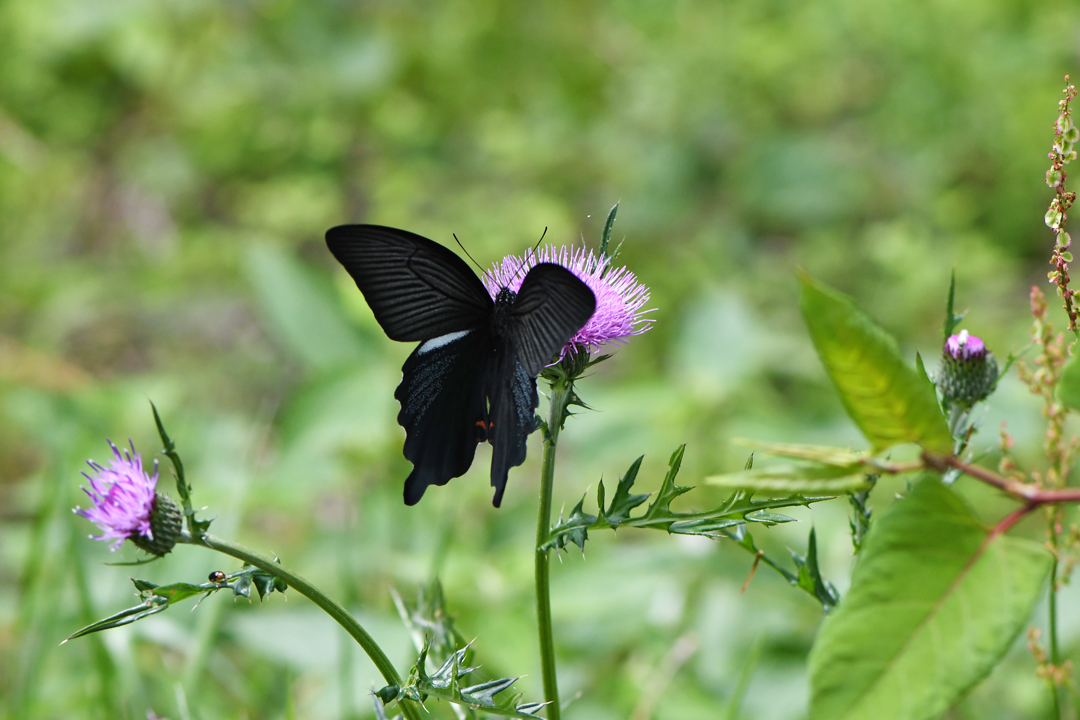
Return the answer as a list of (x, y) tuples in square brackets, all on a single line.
[(623, 502), (737, 510), (152, 606), (810, 578), (574, 529), (195, 526), (445, 684), (951, 318), (158, 598)]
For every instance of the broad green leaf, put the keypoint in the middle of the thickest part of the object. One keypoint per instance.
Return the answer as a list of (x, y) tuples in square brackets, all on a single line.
[(881, 393), (790, 478), (301, 309), (935, 602), (1068, 387)]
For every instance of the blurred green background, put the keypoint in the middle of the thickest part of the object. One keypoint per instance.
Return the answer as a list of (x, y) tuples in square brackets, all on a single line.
[(167, 172)]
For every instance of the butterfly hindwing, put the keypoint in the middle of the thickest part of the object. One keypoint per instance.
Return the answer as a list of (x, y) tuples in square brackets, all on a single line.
[(442, 395), (416, 288), (551, 306), (513, 402)]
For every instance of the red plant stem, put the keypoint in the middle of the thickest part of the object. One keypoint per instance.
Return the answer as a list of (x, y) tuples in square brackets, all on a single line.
[(1006, 523), (1033, 495)]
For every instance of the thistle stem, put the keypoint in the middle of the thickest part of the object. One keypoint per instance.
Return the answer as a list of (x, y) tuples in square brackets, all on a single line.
[(315, 595), (561, 391)]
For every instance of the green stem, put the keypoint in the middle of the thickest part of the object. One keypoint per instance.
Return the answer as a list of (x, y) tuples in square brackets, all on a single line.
[(560, 394), (312, 593), (1055, 657)]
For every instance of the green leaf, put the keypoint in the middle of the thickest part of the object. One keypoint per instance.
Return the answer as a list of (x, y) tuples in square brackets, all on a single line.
[(810, 578), (605, 238), (790, 478), (152, 606), (737, 510), (159, 598), (935, 602), (195, 526), (951, 318), (885, 397), (660, 508), (623, 502), (445, 683), (1068, 387), (574, 529)]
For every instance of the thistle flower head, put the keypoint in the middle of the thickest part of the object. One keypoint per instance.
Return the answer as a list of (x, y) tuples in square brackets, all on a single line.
[(619, 296), (126, 505), (968, 371)]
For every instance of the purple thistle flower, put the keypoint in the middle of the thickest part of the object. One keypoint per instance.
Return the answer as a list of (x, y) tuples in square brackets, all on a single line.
[(965, 347), (123, 496), (619, 295)]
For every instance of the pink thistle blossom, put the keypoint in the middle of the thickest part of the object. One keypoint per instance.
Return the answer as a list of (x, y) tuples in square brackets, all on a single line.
[(965, 347), (123, 497), (619, 295)]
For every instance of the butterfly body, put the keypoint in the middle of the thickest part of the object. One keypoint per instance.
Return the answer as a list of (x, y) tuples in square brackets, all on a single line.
[(472, 378)]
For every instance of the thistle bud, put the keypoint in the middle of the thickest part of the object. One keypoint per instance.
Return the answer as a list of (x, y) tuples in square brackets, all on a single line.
[(165, 526), (968, 370)]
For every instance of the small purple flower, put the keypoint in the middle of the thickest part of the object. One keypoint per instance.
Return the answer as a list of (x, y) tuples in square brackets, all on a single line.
[(965, 347), (619, 295), (123, 496)]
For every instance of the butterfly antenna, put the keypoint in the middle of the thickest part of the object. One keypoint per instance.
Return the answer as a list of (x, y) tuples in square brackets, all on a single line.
[(482, 271), (525, 262)]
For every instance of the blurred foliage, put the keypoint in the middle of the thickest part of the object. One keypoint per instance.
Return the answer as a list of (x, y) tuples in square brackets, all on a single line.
[(167, 170)]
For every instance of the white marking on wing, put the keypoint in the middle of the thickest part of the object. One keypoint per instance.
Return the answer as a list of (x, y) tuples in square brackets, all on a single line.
[(436, 343)]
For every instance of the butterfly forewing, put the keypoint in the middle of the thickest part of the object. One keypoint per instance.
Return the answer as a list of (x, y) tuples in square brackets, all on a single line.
[(416, 288), (551, 306)]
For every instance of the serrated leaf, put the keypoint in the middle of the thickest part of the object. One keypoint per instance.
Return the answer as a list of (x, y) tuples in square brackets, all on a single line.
[(791, 478), (445, 684), (887, 400), (195, 526), (951, 318), (152, 606), (623, 501), (574, 529), (810, 578), (935, 602), (605, 237), (660, 508)]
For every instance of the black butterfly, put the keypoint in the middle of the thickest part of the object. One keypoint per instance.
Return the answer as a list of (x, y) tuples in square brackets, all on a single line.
[(473, 377)]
